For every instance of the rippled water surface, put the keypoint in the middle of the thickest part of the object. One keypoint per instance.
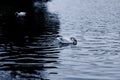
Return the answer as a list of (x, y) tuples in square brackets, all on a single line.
[(96, 26)]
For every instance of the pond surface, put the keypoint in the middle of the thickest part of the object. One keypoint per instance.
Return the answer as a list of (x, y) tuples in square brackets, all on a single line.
[(96, 26)]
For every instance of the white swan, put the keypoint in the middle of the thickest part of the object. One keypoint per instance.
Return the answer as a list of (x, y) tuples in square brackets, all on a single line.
[(66, 42), (20, 14)]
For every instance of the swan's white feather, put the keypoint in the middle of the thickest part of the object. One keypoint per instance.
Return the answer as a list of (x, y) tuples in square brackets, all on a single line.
[(20, 14)]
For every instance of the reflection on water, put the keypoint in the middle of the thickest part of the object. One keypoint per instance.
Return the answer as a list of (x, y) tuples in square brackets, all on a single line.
[(27, 63)]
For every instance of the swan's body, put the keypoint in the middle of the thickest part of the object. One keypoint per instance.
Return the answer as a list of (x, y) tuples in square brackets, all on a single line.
[(20, 14), (66, 42)]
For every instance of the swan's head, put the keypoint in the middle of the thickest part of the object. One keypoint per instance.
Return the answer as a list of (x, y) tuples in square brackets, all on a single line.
[(74, 41)]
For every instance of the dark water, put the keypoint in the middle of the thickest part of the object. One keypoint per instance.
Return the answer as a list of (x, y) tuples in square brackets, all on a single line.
[(27, 46), (31, 52)]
